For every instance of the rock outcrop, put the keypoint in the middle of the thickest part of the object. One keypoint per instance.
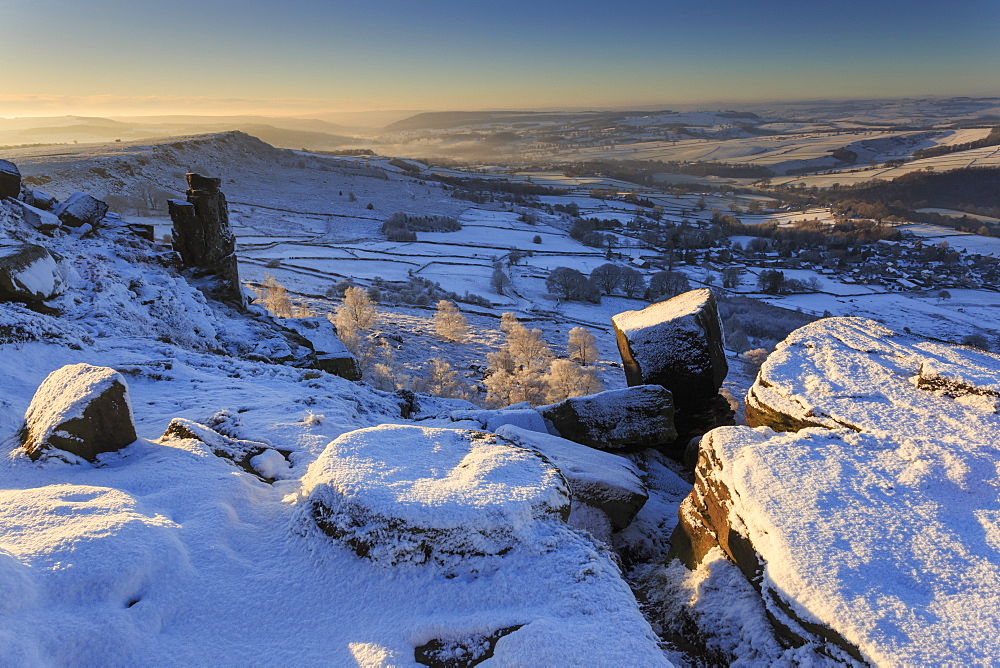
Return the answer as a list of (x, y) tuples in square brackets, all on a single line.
[(330, 354), (678, 344), (402, 494), (604, 481), (81, 409), (870, 520), (631, 418), (10, 179), (259, 459), (30, 273), (203, 239)]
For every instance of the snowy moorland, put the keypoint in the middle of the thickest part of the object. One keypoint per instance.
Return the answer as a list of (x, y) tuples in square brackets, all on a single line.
[(167, 552)]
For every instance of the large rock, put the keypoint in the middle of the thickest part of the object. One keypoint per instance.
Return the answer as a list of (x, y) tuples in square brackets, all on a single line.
[(203, 239), (30, 273), (634, 417), (81, 209), (858, 374), (10, 179), (676, 344), (403, 494), (874, 527), (330, 354), (40, 219), (81, 409), (602, 480)]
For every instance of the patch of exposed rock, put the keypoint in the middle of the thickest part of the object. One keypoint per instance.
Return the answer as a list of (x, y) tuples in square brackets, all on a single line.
[(330, 354), (80, 409), (630, 418), (10, 179), (259, 459), (874, 527)]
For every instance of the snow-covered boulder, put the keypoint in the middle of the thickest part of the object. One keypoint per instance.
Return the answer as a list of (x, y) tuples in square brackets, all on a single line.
[(30, 273), (259, 459), (676, 344), (875, 526), (41, 220), (601, 480), (81, 209), (856, 373), (404, 494), (10, 179), (81, 409), (633, 417), (330, 354)]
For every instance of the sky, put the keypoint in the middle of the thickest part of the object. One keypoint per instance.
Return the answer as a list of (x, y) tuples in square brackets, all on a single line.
[(301, 57)]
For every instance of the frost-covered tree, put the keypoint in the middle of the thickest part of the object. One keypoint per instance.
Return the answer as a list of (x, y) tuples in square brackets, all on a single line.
[(357, 312), (499, 281), (449, 323), (441, 380), (517, 371), (567, 379), (582, 346), (274, 297)]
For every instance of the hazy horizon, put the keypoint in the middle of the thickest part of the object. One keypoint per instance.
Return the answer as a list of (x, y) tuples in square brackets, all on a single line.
[(307, 57)]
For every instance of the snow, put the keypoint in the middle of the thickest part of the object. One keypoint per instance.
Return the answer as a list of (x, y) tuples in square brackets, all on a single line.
[(163, 553)]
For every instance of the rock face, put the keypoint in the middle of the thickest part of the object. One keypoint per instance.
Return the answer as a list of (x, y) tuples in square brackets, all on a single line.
[(81, 409), (604, 481), (330, 354), (30, 273), (402, 494), (203, 238), (10, 179), (676, 344), (81, 209), (635, 417), (874, 527)]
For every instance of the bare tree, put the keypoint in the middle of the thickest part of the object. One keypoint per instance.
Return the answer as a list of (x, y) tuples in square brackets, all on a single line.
[(582, 346), (607, 277), (632, 282)]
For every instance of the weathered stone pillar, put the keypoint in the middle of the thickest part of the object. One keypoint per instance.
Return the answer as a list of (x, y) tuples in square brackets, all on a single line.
[(203, 238)]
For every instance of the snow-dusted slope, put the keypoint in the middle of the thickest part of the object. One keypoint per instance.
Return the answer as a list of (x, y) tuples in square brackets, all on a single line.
[(165, 554)]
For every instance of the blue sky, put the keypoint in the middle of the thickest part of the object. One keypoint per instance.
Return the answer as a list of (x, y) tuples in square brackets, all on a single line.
[(299, 56)]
